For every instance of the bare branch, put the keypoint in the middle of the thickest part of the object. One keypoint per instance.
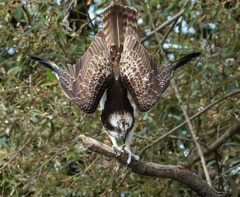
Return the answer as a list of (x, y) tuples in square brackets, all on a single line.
[(237, 91), (229, 133), (182, 105), (174, 172), (193, 132), (19, 151), (175, 17)]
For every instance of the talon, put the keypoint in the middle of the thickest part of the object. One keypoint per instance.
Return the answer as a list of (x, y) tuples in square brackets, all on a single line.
[(118, 150), (115, 148), (136, 157), (124, 152), (138, 161), (107, 158), (129, 159), (130, 154)]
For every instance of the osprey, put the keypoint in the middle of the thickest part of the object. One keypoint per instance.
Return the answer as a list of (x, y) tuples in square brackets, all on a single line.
[(117, 72)]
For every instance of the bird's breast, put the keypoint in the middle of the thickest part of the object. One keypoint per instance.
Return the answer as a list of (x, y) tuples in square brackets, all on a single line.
[(115, 101)]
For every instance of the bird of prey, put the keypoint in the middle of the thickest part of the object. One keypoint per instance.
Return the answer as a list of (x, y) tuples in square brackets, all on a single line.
[(117, 72)]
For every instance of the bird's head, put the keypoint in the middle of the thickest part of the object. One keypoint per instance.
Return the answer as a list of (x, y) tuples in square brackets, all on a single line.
[(119, 125)]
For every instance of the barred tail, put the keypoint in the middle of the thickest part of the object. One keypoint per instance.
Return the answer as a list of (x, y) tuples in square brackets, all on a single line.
[(116, 19)]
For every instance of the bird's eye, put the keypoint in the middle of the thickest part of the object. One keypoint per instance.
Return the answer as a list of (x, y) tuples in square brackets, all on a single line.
[(116, 129)]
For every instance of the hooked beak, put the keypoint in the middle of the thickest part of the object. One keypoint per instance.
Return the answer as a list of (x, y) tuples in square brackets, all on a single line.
[(123, 136)]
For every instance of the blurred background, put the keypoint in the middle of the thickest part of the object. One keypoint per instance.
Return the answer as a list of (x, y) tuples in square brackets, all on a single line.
[(40, 154)]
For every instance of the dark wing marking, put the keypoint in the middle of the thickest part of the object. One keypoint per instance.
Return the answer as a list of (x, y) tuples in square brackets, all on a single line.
[(116, 19), (140, 75), (85, 82)]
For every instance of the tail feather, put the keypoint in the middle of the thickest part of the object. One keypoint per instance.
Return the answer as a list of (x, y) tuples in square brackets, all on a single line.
[(116, 19)]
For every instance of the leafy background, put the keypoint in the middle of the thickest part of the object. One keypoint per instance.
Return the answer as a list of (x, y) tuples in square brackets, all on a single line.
[(40, 154)]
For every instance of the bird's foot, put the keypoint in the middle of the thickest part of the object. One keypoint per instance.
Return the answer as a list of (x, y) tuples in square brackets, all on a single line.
[(107, 158), (118, 149), (130, 155), (126, 151)]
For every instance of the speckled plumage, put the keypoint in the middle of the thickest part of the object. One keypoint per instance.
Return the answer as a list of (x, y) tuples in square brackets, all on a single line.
[(117, 65)]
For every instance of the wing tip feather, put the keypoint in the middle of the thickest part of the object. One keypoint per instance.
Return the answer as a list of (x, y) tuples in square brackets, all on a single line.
[(184, 60)]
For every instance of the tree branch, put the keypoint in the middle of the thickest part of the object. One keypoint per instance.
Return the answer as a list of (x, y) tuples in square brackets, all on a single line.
[(229, 133), (174, 172), (193, 132), (237, 91), (174, 18)]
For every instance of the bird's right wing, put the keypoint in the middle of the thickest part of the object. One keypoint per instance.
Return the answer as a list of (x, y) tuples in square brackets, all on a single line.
[(85, 82), (140, 75)]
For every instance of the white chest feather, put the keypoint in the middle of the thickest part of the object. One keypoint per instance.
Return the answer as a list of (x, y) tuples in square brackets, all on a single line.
[(132, 103), (102, 101)]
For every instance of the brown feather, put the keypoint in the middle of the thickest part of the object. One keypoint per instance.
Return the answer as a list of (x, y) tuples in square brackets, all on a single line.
[(85, 82), (115, 52), (116, 19), (140, 75)]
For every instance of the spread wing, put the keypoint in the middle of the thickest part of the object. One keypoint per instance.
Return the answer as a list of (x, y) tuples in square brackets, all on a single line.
[(140, 75), (85, 82)]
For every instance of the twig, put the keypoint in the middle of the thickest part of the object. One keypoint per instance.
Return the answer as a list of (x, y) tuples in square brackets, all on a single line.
[(191, 118), (174, 172), (175, 17), (193, 132), (127, 171), (19, 150), (226, 172), (229, 133), (60, 151), (173, 24), (181, 103), (154, 28), (194, 136)]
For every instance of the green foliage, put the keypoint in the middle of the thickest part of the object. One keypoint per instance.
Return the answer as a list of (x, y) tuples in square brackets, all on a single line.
[(39, 127)]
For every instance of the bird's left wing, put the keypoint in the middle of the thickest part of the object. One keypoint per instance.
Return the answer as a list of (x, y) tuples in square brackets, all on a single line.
[(140, 75), (85, 82)]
